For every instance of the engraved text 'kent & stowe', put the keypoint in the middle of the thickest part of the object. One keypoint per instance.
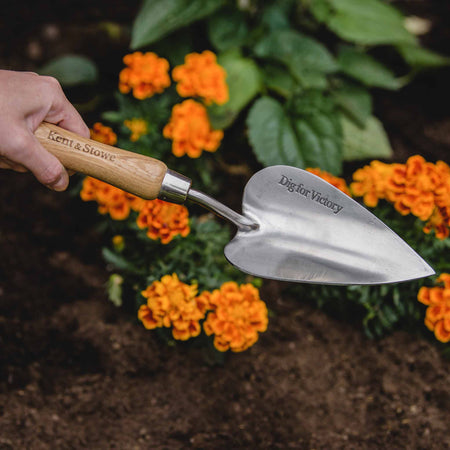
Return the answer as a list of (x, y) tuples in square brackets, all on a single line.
[(86, 147), (310, 194)]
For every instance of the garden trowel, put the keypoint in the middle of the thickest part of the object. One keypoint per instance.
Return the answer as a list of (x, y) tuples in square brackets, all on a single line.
[(294, 226)]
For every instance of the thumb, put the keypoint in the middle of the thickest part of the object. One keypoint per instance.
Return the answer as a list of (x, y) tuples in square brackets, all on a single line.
[(45, 167)]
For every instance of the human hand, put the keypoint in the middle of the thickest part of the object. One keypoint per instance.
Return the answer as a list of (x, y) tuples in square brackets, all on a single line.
[(26, 100)]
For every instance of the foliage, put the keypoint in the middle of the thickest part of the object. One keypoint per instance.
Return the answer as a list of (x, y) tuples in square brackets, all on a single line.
[(71, 70), (276, 49)]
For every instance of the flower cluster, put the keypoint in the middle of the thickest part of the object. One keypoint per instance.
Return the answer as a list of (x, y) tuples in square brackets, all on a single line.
[(335, 181), (417, 187), (234, 314), (111, 200), (138, 128), (201, 76), (437, 317), (163, 220), (146, 74), (171, 303), (190, 130), (104, 134), (237, 315)]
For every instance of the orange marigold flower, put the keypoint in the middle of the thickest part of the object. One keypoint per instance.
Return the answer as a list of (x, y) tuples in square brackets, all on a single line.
[(370, 182), (163, 220), (237, 315), (138, 128), (335, 181), (190, 130), (437, 316), (201, 76), (172, 303), (417, 187), (146, 74), (104, 134), (111, 200)]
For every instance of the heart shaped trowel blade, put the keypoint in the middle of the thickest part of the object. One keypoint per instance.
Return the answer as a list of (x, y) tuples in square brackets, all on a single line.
[(311, 232)]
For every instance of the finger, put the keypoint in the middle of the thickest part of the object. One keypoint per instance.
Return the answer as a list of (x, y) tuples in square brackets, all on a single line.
[(45, 167), (63, 113), (6, 163)]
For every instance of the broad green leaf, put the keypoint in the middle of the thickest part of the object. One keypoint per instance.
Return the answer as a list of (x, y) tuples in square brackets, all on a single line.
[(276, 16), (279, 80), (366, 69), (364, 143), (306, 58), (318, 129), (227, 29), (158, 18), (244, 82), (422, 58), (319, 137), (355, 100), (320, 9), (368, 22), (271, 135), (71, 70)]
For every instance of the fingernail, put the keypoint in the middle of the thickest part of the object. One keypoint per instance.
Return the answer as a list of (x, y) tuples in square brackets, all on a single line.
[(60, 184)]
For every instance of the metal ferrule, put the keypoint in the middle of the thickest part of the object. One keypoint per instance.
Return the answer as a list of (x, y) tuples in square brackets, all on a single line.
[(174, 187)]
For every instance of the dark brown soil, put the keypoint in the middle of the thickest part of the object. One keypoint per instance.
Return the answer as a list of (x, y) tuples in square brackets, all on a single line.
[(77, 373)]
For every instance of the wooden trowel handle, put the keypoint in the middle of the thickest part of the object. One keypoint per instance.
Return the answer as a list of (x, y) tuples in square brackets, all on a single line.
[(138, 174)]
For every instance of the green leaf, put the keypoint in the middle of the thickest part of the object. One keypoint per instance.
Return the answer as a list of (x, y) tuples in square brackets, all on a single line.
[(307, 59), (276, 16), (227, 29), (319, 137), (112, 116), (114, 288), (271, 135), (244, 82), (318, 129), (368, 22), (422, 58), (71, 70), (364, 143), (158, 18), (119, 262), (366, 69), (279, 80), (320, 9), (355, 100)]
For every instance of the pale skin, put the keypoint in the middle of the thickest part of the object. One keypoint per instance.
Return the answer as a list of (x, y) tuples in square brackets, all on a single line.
[(26, 100)]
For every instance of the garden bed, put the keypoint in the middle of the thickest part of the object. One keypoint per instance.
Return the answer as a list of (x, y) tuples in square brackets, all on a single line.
[(76, 372)]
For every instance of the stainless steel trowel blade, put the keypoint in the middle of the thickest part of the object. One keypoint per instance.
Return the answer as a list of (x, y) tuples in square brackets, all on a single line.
[(311, 232)]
